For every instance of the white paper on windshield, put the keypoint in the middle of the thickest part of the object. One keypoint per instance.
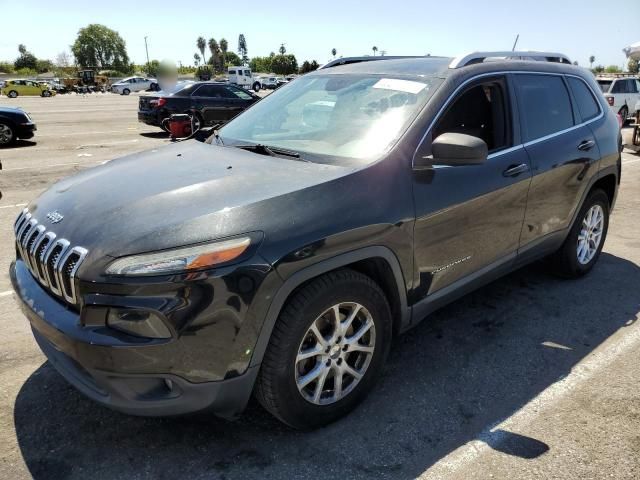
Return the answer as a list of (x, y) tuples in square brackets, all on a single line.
[(407, 86)]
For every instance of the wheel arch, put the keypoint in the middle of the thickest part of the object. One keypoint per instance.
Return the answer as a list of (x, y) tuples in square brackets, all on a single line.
[(377, 262)]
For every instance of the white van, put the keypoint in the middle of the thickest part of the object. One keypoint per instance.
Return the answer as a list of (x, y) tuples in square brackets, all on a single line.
[(240, 76)]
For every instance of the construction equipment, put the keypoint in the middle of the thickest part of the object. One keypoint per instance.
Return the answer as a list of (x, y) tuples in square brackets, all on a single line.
[(87, 81)]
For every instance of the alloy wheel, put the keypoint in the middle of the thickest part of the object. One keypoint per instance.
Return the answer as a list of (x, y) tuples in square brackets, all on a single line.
[(335, 353), (591, 234), (6, 134)]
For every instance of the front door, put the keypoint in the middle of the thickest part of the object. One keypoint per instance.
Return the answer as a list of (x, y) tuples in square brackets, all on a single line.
[(469, 218)]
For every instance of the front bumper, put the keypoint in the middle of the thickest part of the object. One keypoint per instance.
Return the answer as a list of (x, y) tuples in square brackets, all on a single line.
[(92, 360)]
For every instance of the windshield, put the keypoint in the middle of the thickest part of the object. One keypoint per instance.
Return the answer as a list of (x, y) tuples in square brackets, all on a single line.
[(334, 118), (605, 85)]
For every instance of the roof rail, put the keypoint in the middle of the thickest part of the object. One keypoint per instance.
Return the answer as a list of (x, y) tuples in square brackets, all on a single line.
[(349, 60), (479, 57), (616, 75)]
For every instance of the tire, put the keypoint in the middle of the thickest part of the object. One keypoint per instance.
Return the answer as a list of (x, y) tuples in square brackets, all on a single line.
[(126, 91), (12, 94), (154, 87), (7, 135), (46, 93), (281, 373), (256, 87), (624, 113), (570, 260)]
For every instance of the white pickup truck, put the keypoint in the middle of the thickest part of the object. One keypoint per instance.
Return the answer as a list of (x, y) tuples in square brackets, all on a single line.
[(622, 93)]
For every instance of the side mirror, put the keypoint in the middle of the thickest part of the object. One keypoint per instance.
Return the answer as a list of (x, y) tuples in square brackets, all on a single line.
[(454, 149)]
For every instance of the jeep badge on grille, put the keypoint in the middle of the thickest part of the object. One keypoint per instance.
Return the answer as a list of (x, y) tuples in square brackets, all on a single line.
[(55, 216)]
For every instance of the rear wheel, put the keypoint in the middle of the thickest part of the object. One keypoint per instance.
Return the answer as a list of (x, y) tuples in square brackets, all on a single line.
[(326, 351), (256, 87), (154, 87), (7, 136), (583, 245), (126, 91), (12, 94), (624, 113), (46, 93)]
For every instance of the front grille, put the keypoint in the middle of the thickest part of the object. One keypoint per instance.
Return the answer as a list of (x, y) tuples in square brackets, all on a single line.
[(51, 260)]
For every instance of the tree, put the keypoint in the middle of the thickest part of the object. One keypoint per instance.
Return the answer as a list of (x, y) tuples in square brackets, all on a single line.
[(43, 66), (613, 69), (26, 59), (215, 54), (282, 50), (334, 52), (196, 59), (632, 66), (309, 66), (233, 59), (100, 47), (63, 60), (284, 64), (375, 49), (242, 49), (598, 69), (201, 43), (224, 47), (592, 59)]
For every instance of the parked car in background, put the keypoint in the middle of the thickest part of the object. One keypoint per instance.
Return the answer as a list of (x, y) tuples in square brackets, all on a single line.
[(283, 258), (135, 84), (209, 102), (280, 81), (15, 88), (240, 76), (15, 124), (621, 92), (265, 83)]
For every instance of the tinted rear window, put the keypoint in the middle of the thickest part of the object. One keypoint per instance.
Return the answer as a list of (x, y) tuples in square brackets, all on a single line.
[(605, 85), (587, 105), (545, 107)]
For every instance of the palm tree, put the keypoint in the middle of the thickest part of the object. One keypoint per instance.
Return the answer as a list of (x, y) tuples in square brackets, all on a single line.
[(375, 49), (201, 44), (213, 48), (224, 46), (591, 60), (196, 59), (282, 50), (334, 52)]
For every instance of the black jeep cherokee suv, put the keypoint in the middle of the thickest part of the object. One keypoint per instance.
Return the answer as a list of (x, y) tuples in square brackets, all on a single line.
[(282, 258)]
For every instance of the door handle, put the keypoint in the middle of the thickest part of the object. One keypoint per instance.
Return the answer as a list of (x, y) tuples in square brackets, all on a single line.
[(586, 145), (515, 170)]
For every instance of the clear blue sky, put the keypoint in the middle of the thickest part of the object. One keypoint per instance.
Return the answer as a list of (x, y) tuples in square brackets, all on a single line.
[(310, 29)]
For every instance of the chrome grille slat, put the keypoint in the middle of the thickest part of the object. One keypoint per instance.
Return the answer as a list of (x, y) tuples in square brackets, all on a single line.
[(53, 261)]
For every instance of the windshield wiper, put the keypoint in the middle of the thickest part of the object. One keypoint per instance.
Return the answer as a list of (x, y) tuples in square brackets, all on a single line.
[(269, 150)]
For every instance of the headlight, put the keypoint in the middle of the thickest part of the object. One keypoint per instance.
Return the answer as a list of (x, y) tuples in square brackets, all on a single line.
[(180, 259)]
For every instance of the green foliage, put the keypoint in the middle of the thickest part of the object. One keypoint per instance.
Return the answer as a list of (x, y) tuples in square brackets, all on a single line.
[(43, 66), (26, 72), (309, 66), (153, 68), (591, 60), (197, 58), (282, 50), (26, 59), (334, 52), (100, 47), (632, 66), (284, 64), (242, 49), (201, 43), (6, 67), (598, 69), (233, 59), (613, 69), (260, 64)]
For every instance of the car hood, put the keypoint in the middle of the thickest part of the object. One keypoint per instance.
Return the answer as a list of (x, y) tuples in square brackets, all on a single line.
[(176, 195)]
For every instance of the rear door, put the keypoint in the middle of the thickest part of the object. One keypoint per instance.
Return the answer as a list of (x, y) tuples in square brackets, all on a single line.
[(469, 218), (236, 100), (562, 150), (208, 100)]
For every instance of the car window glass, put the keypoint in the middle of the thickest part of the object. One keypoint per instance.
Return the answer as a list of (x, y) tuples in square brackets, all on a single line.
[(604, 85), (587, 105), (237, 93), (247, 73), (480, 112), (618, 87), (232, 72), (633, 87), (210, 91), (545, 107)]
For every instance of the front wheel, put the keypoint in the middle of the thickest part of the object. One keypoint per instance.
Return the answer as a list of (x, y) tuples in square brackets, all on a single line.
[(126, 91), (583, 245), (256, 87), (326, 350), (46, 93), (12, 94)]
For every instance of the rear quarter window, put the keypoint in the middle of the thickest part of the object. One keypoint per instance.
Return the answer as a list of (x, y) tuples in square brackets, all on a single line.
[(587, 104), (545, 107)]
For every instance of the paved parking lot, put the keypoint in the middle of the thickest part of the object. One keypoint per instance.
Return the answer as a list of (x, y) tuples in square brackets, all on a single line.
[(530, 377)]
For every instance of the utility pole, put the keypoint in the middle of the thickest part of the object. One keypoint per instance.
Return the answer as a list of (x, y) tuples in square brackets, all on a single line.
[(147, 49)]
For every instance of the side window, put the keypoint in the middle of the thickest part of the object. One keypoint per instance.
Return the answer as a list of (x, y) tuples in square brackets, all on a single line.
[(545, 107), (232, 72), (618, 87), (480, 111), (237, 93), (633, 86), (206, 91), (587, 105), (247, 73)]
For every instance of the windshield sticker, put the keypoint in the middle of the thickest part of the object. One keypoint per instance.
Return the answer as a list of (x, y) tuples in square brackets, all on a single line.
[(407, 86)]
